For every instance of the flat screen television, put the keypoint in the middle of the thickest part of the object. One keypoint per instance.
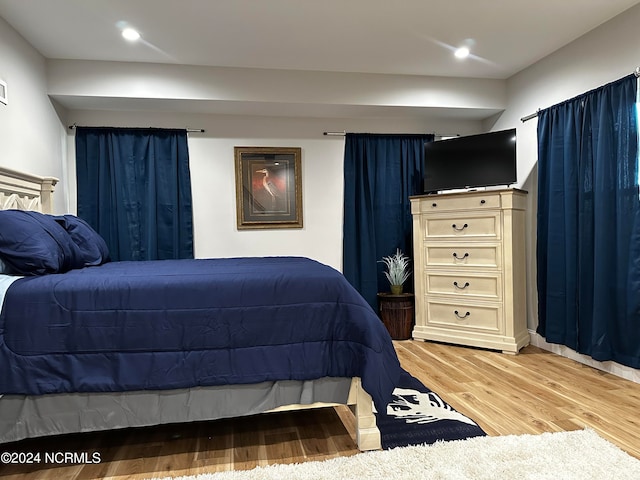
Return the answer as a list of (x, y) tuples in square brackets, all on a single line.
[(472, 161)]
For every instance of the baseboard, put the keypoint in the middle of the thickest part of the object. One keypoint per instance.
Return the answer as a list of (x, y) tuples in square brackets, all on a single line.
[(614, 368)]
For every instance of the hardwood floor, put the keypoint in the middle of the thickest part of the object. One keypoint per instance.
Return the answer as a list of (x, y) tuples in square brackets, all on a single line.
[(533, 392)]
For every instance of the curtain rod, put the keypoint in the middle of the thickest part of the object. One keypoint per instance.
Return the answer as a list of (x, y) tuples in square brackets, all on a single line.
[(636, 72), (189, 130), (342, 134)]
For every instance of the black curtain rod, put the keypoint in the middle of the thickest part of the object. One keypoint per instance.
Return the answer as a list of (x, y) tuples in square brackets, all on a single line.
[(636, 72), (189, 130), (342, 134)]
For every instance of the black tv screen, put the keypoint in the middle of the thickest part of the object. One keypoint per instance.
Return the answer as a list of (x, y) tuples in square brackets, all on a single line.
[(483, 160)]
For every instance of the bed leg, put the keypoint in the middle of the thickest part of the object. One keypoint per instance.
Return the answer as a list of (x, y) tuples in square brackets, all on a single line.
[(367, 433)]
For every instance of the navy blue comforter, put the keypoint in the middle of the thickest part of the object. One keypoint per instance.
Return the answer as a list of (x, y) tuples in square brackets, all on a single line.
[(184, 323)]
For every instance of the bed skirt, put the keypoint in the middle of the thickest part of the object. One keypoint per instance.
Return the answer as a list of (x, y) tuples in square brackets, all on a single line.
[(54, 414)]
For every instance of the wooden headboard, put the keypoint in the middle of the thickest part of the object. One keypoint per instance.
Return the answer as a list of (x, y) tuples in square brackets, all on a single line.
[(24, 191)]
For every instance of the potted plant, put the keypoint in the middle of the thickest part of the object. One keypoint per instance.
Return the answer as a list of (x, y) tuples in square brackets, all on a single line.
[(397, 270)]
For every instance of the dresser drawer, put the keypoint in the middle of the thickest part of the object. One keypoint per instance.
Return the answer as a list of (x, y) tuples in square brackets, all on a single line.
[(478, 226), (463, 255), (486, 286), (460, 315), (460, 202)]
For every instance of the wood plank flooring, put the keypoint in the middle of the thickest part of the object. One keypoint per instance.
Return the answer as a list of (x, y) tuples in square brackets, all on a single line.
[(533, 392)]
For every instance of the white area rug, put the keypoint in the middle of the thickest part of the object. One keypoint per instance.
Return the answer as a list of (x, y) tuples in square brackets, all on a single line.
[(579, 455)]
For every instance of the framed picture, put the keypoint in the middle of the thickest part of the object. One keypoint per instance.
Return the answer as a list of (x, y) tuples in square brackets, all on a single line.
[(268, 187)]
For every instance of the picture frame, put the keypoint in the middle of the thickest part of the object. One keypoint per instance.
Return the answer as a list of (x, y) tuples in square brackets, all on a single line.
[(268, 187)]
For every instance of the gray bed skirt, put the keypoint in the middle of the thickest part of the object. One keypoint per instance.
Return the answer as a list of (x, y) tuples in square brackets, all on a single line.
[(36, 416)]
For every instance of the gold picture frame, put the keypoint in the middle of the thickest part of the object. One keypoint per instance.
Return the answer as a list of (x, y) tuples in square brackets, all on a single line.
[(268, 187)]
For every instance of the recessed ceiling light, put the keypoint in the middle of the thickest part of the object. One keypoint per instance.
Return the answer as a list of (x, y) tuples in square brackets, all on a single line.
[(130, 34), (462, 52)]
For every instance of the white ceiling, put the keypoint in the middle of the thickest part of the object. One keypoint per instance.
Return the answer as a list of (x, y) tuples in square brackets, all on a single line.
[(406, 37), (372, 36)]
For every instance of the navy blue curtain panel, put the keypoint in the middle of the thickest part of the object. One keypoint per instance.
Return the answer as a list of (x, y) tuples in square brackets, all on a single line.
[(588, 245), (134, 189), (380, 173)]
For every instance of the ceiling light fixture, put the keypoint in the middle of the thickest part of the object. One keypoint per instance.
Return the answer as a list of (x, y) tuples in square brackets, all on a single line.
[(462, 52), (130, 34)]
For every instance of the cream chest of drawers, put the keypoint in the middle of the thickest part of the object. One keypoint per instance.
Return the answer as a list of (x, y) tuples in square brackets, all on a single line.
[(469, 263)]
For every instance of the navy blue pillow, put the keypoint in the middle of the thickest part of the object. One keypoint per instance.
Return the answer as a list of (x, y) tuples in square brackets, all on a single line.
[(32, 243), (92, 246)]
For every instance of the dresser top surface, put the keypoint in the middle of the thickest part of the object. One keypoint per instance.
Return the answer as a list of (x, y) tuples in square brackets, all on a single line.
[(469, 193)]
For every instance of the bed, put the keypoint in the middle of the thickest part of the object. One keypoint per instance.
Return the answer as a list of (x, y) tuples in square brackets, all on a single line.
[(95, 345)]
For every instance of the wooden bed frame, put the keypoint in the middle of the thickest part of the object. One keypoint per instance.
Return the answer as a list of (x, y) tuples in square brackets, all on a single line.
[(31, 192)]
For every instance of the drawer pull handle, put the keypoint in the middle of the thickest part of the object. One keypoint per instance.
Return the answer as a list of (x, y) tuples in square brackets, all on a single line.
[(466, 284), (482, 202), (459, 229), (455, 255), (434, 204), (462, 316)]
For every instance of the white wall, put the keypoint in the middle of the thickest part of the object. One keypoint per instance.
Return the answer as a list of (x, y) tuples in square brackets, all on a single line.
[(603, 55), (213, 177), (261, 107), (32, 138), (256, 88), (599, 57)]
